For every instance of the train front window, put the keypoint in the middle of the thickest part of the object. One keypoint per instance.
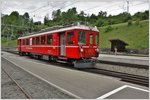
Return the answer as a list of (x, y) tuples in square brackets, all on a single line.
[(81, 38), (70, 37), (91, 38)]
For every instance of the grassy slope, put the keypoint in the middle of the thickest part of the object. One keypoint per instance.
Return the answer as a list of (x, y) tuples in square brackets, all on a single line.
[(137, 36), (10, 43)]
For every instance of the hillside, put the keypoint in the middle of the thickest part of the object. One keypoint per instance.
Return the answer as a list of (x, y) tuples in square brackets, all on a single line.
[(136, 35), (8, 43)]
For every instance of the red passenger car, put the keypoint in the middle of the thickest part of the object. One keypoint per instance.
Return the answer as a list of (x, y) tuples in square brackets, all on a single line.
[(77, 44)]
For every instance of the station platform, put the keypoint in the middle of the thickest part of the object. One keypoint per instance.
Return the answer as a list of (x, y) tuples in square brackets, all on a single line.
[(124, 59)]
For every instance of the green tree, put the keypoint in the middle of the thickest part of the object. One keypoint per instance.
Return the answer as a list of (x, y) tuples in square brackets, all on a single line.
[(45, 20), (56, 14), (82, 16), (14, 13), (100, 23), (102, 14), (26, 16), (141, 15)]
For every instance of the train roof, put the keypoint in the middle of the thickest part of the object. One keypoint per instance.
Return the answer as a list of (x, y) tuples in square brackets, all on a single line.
[(61, 29)]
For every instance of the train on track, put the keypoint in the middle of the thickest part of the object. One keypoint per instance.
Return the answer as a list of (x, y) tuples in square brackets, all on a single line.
[(77, 44)]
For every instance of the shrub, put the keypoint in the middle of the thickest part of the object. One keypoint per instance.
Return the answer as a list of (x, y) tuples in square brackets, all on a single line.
[(137, 22), (116, 28), (129, 22), (141, 25), (99, 23), (108, 28)]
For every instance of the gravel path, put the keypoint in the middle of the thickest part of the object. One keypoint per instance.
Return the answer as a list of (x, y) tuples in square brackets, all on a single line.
[(37, 88)]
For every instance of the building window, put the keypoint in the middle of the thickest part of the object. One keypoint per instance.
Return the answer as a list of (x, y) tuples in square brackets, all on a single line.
[(43, 39), (91, 38), (81, 38), (70, 37), (37, 40), (49, 39)]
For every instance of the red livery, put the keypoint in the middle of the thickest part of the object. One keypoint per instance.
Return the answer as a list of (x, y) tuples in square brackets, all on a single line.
[(74, 44)]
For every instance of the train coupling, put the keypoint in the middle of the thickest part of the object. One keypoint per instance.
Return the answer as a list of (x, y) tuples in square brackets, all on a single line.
[(85, 63)]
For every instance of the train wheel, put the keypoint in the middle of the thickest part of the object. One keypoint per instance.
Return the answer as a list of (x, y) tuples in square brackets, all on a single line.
[(50, 58), (31, 56), (53, 59), (39, 57), (20, 53), (71, 61), (23, 53)]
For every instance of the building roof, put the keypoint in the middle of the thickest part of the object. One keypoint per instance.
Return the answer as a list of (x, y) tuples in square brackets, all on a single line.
[(118, 40)]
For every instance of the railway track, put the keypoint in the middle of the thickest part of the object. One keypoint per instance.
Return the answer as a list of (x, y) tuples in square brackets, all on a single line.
[(18, 85), (136, 79)]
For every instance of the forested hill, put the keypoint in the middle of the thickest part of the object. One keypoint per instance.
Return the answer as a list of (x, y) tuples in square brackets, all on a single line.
[(15, 25)]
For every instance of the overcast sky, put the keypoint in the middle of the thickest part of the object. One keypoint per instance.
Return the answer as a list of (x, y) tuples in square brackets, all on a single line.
[(40, 8)]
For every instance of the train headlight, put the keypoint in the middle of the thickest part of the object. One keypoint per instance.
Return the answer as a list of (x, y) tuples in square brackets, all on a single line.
[(97, 50), (81, 49)]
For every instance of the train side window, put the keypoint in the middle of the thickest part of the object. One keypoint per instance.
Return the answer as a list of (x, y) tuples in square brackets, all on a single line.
[(91, 38), (33, 39), (97, 39), (37, 40), (23, 41), (70, 37), (43, 39), (81, 38), (49, 39), (27, 41)]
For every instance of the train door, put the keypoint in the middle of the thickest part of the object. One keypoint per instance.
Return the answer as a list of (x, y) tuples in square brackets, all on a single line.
[(19, 45), (62, 44)]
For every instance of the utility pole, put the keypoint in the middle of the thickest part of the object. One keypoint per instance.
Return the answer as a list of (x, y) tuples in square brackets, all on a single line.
[(128, 6)]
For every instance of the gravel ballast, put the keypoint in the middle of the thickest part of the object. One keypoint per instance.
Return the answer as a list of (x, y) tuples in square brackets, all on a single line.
[(8, 88), (37, 88)]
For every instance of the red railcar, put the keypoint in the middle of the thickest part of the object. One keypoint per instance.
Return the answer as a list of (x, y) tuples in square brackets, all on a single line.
[(74, 44)]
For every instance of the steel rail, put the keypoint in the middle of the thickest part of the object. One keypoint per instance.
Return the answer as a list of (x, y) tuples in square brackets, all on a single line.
[(141, 80)]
